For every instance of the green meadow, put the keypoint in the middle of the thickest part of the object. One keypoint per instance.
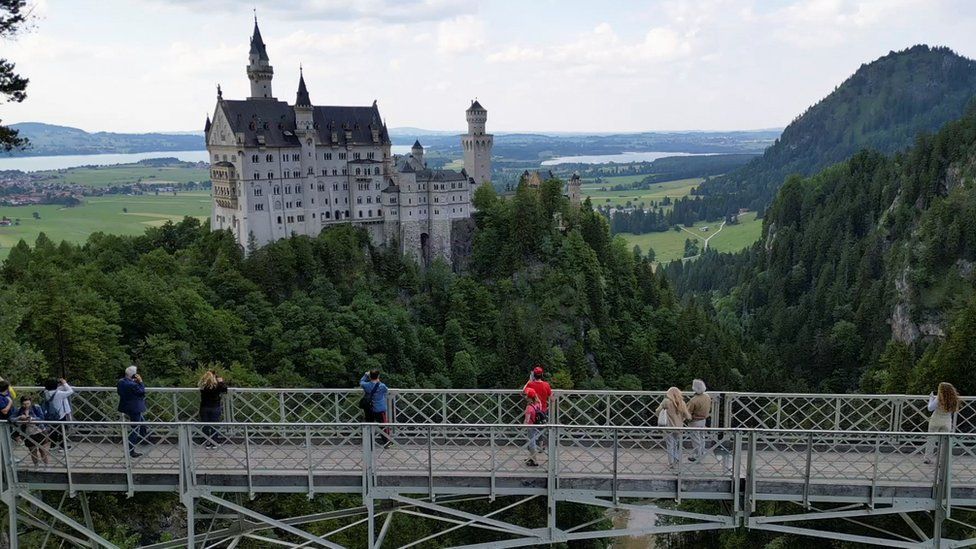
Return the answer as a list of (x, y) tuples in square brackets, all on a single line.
[(117, 214), (670, 245), (656, 192)]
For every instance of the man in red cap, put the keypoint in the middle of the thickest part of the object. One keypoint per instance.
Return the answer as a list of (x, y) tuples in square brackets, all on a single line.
[(541, 388)]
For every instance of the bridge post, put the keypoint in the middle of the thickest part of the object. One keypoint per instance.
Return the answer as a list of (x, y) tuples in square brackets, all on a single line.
[(8, 476)]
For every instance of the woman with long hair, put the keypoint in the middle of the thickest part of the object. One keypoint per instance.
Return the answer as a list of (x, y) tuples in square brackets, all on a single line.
[(672, 412), (212, 388), (944, 406)]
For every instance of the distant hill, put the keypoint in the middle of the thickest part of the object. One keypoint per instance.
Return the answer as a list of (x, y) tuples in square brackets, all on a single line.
[(52, 140), (883, 106)]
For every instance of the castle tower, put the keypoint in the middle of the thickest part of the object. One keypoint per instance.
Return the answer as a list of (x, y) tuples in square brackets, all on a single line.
[(303, 105), (418, 151), (477, 144), (259, 70)]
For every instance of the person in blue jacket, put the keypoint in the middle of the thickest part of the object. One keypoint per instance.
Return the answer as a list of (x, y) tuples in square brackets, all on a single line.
[(132, 403), (376, 391)]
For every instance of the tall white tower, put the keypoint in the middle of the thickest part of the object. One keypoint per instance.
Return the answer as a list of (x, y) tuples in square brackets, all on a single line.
[(477, 144), (259, 70)]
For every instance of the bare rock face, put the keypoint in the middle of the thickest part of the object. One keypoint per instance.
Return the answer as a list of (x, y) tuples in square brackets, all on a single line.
[(903, 329), (462, 242)]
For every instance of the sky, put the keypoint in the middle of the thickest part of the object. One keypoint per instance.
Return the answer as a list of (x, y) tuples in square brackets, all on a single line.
[(536, 65)]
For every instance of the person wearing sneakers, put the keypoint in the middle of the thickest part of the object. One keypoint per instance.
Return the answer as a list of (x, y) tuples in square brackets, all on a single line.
[(534, 415)]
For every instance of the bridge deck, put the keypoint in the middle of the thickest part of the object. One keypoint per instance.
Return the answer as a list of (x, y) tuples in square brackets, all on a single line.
[(854, 467)]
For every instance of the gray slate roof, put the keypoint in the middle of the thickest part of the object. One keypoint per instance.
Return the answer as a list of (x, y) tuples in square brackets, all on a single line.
[(302, 100), (275, 122), (475, 106)]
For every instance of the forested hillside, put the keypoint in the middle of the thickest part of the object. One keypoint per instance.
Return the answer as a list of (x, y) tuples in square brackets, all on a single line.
[(883, 107), (317, 312), (865, 274)]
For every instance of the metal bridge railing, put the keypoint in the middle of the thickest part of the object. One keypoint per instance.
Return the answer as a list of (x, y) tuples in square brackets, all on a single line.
[(798, 465), (834, 412)]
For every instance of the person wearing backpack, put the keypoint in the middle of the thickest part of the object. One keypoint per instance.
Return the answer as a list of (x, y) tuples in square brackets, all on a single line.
[(672, 412), (6, 400), (534, 415), (30, 418), (56, 405), (373, 403)]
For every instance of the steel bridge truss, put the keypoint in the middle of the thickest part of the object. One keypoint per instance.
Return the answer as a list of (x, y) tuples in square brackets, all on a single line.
[(906, 489)]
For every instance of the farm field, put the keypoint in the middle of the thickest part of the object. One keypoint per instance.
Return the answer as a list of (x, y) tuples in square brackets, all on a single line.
[(100, 213), (106, 176), (674, 189), (670, 245)]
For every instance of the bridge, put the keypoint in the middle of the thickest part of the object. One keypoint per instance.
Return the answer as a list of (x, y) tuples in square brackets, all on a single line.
[(856, 468)]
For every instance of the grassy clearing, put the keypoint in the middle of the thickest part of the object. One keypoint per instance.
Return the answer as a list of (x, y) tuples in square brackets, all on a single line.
[(609, 181), (670, 245), (656, 192), (106, 176), (103, 213)]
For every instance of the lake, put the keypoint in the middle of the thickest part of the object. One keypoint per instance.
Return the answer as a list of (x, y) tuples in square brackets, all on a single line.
[(619, 158), (40, 163)]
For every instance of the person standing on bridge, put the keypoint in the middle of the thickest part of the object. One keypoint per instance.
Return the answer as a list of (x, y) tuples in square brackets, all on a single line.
[(700, 407), (6, 399), (30, 418), (534, 415), (944, 407), (56, 403), (212, 388), (541, 387), (374, 402), (674, 413), (132, 403)]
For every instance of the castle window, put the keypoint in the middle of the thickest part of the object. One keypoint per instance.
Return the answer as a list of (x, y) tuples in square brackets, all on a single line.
[(277, 189), (287, 189), (291, 219), (313, 215), (270, 175), (255, 158), (326, 201), (369, 155), (345, 186), (359, 200), (347, 213), (311, 171), (342, 156), (436, 212), (357, 171), (360, 213), (298, 203), (288, 205), (370, 213), (269, 158), (369, 199), (295, 157), (257, 175), (324, 171), (335, 186), (279, 220), (327, 215), (259, 207), (436, 199), (335, 171), (345, 171), (355, 156), (327, 156), (376, 170), (321, 186), (258, 191), (301, 218)]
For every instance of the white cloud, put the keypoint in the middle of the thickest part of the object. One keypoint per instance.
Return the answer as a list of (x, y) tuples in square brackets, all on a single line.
[(462, 34), (402, 11)]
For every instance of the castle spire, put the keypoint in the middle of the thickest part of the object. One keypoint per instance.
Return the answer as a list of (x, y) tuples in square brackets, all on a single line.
[(302, 100), (257, 44)]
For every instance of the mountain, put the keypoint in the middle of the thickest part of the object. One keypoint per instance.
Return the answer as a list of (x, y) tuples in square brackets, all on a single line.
[(52, 140), (883, 106), (865, 276)]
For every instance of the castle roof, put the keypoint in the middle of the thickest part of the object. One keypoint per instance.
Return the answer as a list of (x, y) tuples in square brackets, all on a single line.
[(391, 187), (475, 106), (302, 99), (257, 44), (417, 145), (272, 123), (206, 126), (429, 175)]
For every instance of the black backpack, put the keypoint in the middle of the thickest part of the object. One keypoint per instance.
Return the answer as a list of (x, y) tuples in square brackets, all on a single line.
[(366, 403), (541, 416), (47, 409)]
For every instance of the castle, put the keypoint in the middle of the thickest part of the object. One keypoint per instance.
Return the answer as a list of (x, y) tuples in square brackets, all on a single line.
[(280, 170)]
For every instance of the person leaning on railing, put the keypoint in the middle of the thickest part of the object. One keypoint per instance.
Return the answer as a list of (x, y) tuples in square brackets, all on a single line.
[(944, 407), (374, 402), (56, 403), (30, 418)]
